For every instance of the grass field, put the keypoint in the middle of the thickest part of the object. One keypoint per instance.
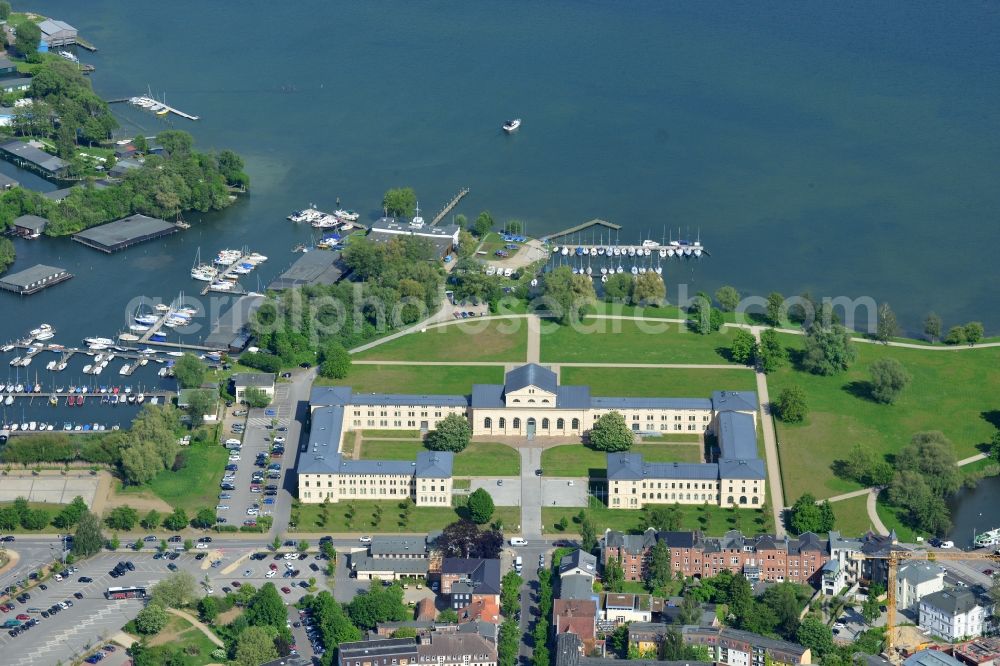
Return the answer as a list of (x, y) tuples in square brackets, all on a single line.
[(478, 459), (419, 379), (422, 518), (852, 516), (953, 392), (483, 340), (52, 510), (658, 383), (180, 642), (392, 434), (628, 341), (194, 487), (579, 460), (712, 520)]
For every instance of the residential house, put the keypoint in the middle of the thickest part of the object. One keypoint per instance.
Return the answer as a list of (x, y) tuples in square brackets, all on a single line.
[(577, 586), (914, 581), (833, 578), (954, 614), (7, 66), (57, 33), (456, 649), (30, 226), (619, 608), (569, 651), (381, 652), (579, 563), (18, 84), (631, 550), (743, 648), (123, 166), (466, 581), (576, 617)]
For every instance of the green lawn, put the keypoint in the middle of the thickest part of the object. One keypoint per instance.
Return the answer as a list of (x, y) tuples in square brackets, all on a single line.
[(954, 392), (422, 519), (392, 434), (418, 379), (478, 459), (892, 520), (628, 341), (52, 510), (852, 516), (579, 460), (478, 340), (181, 643), (712, 520), (658, 382), (194, 487)]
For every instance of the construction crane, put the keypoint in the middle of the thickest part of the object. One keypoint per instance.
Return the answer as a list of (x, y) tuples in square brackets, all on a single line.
[(894, 558)]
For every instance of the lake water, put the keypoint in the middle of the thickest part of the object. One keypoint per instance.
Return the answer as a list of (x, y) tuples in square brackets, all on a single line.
[(848, 149), (975, 511)]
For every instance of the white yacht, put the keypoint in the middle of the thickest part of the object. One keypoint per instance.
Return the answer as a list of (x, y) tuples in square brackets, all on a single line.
[(511, 125), (348, 215)]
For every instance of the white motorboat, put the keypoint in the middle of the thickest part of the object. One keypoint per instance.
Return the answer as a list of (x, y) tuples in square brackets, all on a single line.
[(348, 215), (511, 125), (87, 368), (137, 328), (650, 244), (663, 253), (16, 360), (163, 307), (26, 361), (61, 366), (564, 251), (45, 335), (987, 539), (124, 369), (68, 56), (99, 341), (128, 337), (51, 365), (175, 353)]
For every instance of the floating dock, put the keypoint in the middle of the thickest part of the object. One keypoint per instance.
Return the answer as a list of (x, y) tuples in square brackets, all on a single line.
[(237, 289), (34, 279), (596, 222), (155, 106), (449, 206), (123, 233)]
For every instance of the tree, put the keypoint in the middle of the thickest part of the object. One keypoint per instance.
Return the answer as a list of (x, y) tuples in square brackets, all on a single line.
[(772, 354), (807, 516), (614, 575), (814, 634), (566, 295), (776, 311), (619, 287), (649, 289), (71, 514), (663, 518), (448, 616), (204, 519), (744, 347), (955, 336), (932, 455), (588, 535), (510, 594), (727, 297), (378, 604), (828, 350), (189, 371), (4, 10), (176, 590), (122, 518), (741, 601), (924, 509), (178, 520), (7, 254), (35, 519), (335, 362), (973, 332), (464, 538), (702, 317), (208, 609), (199, 403), (480, 506), (303, 545), (886, 326), (889, 380), (871, 610), (400, 201), (266, 608), (791, 404), (483, 224), (451, 434), (255, 645), (88, 539), (256, 398), (28, 37), (932, 327), (690, 611), (610, 433), (658, 572), (151, 619), (151, 520)]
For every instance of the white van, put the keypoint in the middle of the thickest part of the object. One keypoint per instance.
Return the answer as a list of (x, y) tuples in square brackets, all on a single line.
[(518, 564), (518, 541)]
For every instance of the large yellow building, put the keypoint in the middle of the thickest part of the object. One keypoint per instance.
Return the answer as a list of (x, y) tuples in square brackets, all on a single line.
[(531, 403)]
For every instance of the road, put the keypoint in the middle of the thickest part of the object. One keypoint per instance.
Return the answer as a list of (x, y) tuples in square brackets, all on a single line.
[(776, 496), (531, 492), (529, 594)]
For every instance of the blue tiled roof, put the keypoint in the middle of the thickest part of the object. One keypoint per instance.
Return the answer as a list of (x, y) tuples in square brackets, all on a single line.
[(434, 464), (531, 374), (486, 396), (406, 399), (737, 435), (321, 455), (650, 403), (573, 397), (737, 401), (730, 468), (630, 466), (330, 395)]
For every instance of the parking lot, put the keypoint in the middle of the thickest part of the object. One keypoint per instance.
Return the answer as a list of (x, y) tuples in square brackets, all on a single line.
[(254, 495), (92, 618)]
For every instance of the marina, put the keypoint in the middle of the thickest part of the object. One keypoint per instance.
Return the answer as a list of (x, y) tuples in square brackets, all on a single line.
[(147, 103), (450, 206), (602, 260), (233, 263)]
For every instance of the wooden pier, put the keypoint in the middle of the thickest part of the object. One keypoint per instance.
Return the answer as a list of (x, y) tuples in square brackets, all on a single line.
[(155, 328), (596, 222), (167, 107), (449, 206)]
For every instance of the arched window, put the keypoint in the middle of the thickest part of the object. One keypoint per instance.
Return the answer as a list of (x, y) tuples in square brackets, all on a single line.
[(743, 499), (517, 423), (502, 423), (487, 422), (545, 401), (576, 424), (755, 500), (644, 496), (516, 400), (531, 400), (730, 501), (560, 424), (545, 424)]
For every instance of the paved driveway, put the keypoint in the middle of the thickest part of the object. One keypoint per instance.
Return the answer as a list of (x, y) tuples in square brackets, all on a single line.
[(55, 489), (507, 494), (531, 493)]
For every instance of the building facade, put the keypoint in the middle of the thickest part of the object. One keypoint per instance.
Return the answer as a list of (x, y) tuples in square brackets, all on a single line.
[(531, 403), (742, 648), (914, 581), (262, 381), (953, 614)]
